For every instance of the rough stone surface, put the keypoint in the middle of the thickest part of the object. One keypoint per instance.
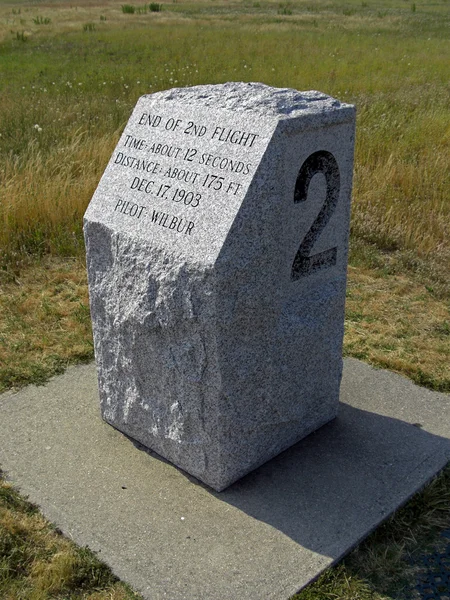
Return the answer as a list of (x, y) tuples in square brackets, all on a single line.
[(217, 272)]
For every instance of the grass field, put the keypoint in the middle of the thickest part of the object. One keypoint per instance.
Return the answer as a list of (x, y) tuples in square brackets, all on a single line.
[(70, 74)]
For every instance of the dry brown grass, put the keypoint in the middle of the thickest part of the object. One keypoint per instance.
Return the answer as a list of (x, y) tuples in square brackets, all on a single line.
[(401, 197), (396, 323), (392, 321), (43, 194), (37, 563), (44, 322)]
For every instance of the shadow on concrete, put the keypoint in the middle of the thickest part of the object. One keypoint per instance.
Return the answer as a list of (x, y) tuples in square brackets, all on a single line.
[(331, 489)]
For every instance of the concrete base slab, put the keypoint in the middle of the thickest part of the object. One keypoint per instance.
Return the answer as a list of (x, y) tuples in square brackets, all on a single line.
[(266, 536)]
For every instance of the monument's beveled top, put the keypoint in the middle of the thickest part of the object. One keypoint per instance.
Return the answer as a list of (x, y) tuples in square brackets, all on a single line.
[(185, 161), (255, 97)]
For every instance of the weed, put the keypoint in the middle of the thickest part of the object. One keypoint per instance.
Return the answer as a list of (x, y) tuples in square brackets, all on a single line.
[(284, 9), (21, 36), (442, 329), (413, 7), (102, 18), (128, 9), (89, 27), (41, 21), (155, 7)]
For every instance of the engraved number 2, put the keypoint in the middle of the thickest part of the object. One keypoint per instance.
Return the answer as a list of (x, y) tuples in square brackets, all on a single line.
[(306, 263)]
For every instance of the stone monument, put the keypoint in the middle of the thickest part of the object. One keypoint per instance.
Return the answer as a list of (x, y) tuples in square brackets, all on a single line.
[(217, 251)]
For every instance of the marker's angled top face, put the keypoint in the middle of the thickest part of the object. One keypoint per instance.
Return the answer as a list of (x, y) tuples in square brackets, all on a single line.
[(186, 160), (254, 97)]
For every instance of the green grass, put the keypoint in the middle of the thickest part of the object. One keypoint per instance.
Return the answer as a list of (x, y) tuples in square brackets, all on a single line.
[(395, 72)]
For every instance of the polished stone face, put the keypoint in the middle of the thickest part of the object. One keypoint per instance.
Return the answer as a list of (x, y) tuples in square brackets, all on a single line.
[(217, 249)]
